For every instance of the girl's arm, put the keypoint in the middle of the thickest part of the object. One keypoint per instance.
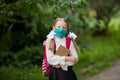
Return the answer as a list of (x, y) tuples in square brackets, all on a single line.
[(73, 57)]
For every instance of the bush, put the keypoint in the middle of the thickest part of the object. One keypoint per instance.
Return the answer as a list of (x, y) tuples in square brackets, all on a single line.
[(12, 73), (28, 57)]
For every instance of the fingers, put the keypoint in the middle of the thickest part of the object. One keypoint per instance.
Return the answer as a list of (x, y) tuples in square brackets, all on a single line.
[(74, 59), (71, 58), (57, 66)]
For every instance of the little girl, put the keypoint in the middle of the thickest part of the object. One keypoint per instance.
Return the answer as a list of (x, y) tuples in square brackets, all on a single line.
[(61, 66)]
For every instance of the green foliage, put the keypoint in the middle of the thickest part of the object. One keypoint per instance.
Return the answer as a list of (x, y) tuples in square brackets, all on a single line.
[(26, 23), (102, 53), (28, 57), (105, 9), (12, 73), (21, 25), (97, 52), (114, 24)]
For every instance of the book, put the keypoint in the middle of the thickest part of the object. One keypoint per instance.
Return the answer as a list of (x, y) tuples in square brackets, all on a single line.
[(62, 51)]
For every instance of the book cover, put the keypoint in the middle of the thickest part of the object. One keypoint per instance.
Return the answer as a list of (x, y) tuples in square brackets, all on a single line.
[(62, 51)]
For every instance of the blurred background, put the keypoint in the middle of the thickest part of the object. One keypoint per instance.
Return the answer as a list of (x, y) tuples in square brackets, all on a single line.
[(24, 25)]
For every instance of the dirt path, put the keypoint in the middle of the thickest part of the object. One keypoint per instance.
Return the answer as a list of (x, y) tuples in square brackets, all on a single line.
[(112, 73)]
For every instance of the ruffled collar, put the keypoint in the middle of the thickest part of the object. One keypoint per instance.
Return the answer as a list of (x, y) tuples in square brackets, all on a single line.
[(70, 35)]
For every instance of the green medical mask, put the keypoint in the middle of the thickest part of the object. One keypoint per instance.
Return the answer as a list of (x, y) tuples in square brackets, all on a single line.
[(60, 32)]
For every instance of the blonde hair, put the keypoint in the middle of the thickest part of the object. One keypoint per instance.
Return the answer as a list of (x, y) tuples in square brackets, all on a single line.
[(51, 46)]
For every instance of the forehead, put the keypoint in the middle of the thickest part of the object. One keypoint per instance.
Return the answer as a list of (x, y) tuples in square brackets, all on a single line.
[(61, 23)]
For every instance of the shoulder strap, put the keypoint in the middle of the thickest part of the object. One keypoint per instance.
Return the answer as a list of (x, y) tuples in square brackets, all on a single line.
[(68, 41), (44, 46)]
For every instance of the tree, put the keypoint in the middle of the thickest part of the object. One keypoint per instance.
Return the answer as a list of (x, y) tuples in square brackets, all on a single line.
[(105, 9)]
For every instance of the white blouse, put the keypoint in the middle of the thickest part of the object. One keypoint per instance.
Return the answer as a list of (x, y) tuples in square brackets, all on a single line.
[(56, 59)]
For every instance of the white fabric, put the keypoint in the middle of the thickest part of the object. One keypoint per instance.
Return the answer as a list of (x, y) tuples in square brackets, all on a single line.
[(55, 59), (51, 35), (72, 35)]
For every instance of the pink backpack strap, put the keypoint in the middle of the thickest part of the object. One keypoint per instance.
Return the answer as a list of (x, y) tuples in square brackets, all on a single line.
[(44, 46), (68, 41)]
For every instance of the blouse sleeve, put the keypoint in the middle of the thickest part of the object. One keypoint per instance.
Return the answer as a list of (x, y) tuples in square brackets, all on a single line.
[(73, 52), (53, 59)]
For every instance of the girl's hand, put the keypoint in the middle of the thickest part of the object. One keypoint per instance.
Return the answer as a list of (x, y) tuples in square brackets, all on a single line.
[(57, 66), (71, 58)]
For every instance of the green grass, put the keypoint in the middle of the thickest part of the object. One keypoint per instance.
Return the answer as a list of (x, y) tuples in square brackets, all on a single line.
[(11, 73), (100, 54)]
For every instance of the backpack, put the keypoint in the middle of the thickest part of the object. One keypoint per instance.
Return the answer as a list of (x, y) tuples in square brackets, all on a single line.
[(45, 65)]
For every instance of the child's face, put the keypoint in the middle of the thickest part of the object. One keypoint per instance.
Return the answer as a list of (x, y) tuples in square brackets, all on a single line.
[(61, 24)]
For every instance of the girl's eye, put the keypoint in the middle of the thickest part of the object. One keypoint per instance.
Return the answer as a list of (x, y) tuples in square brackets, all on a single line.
[(61, 27), (64, 28)]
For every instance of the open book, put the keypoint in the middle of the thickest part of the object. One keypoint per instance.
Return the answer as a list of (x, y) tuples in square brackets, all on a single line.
[(62, 51)]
